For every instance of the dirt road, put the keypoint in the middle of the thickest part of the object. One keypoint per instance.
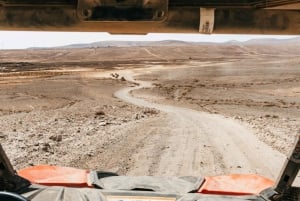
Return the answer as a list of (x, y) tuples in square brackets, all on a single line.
[(199, 143)]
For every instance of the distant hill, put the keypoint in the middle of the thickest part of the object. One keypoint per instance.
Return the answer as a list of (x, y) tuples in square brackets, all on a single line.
[(127, 44), (169, 43), (272, 41)]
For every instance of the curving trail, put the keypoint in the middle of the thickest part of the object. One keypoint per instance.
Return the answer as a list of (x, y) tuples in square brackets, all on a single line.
[(189, 142)]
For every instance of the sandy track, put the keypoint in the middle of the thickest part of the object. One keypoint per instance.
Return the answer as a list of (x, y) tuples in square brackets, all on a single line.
[(189, 142)]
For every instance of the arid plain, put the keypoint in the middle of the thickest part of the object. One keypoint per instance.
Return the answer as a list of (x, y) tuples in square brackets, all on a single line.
[(168, 108)]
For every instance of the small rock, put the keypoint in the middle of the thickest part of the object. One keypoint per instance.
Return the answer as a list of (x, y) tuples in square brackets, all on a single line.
[(2, 135), (123, 79), (103, 123), (46, 147), (239, 166), (31, 135), (57, 138), (100, 113)]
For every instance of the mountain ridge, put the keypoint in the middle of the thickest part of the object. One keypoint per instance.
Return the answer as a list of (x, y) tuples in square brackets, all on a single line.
[(107, 44)]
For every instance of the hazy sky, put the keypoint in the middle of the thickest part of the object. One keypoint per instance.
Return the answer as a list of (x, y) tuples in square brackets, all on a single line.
[(20, 40)]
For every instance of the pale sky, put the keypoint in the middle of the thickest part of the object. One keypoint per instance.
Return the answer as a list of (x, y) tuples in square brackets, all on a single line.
[(21, 40)]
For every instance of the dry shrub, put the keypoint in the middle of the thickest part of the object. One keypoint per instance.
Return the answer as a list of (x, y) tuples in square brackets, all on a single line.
[(150, 111)]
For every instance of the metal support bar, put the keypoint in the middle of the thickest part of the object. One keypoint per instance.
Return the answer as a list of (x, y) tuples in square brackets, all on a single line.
[(9, 180), (290, 169), (283, 185), (207, 20)]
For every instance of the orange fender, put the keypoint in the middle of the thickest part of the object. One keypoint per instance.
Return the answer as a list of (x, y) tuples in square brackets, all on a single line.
[(235, 184), (55, 176)]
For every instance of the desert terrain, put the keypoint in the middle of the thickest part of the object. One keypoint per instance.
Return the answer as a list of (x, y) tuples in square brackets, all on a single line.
[(169, 109)]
